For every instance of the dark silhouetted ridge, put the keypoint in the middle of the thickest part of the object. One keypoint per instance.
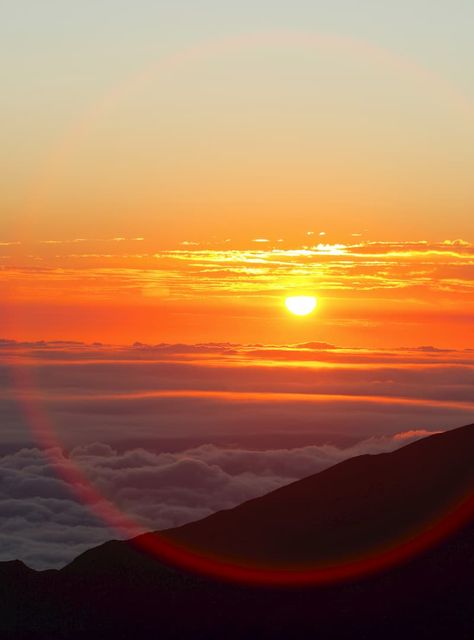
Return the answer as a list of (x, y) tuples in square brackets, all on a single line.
[(364, 504), (359, 505)]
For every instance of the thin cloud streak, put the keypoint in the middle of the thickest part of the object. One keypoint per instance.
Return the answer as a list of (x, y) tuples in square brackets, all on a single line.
[(220, 389), (416, 288)]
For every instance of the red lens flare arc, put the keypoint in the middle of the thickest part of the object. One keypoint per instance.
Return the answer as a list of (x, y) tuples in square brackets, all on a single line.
[(220, 568)]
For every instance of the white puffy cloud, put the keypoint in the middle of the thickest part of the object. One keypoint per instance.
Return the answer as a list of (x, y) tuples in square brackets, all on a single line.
[(44, 522)]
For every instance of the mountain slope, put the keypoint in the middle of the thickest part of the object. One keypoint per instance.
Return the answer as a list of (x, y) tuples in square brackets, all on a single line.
[(357, 506), (116, 590)]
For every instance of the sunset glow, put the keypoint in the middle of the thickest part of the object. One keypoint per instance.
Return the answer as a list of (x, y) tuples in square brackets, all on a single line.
[(236, 251), (124, 289), (301, 305), (147, 220)]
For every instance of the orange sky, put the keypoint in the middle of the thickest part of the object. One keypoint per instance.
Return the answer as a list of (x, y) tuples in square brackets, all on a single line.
[(121, 290), (186, 196)]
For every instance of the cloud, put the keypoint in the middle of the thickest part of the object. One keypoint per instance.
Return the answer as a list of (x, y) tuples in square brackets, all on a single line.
[(169, 433), (215, 390), (44, 523), (385, 269), (413, 434)]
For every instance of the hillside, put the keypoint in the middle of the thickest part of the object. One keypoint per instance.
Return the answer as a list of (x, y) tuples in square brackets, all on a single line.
[(357, 508)]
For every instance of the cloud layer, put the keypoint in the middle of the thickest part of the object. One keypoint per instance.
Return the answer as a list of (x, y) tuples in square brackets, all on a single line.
[(44, 522), (207, 393), (168, 433)]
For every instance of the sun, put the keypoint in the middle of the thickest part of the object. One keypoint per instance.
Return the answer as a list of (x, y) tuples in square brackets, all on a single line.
[(301, 305)]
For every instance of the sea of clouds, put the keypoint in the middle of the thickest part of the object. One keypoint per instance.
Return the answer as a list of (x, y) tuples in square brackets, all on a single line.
[(44, 521), (100, 442)]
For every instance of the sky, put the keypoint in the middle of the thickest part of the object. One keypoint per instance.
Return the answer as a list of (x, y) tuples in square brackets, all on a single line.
[(135, 132), (170, 173)]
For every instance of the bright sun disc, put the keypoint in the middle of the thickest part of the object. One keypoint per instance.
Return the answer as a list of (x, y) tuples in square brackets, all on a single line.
[(301, 305)]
